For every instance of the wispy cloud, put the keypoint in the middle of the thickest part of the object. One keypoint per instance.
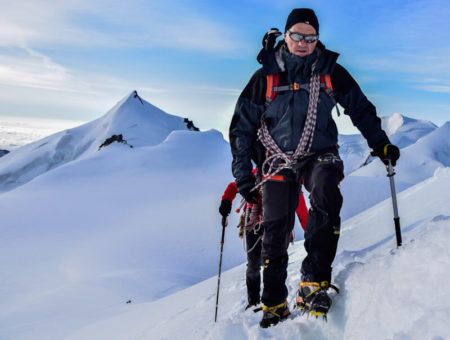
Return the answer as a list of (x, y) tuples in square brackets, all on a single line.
[(97, 23), (28, 68), (215, 90), (435, 88), (25, 67), (28, 26), (437, 85)]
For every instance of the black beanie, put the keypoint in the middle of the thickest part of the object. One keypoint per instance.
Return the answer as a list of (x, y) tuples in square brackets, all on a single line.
[(305, 15)]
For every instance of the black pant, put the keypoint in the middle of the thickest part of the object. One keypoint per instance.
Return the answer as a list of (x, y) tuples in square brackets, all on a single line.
[(253, 274), (322, 179), (321, 175)]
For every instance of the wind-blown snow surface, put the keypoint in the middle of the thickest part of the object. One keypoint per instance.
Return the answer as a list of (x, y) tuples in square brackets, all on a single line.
[(386, 293)]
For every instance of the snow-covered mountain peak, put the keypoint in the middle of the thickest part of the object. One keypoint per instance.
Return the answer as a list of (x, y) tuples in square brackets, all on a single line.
[(397, 123), (392, 123), (133, 120), (140, 123)]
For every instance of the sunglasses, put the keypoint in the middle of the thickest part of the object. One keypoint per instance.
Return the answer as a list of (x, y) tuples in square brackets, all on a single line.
[(308, 38)]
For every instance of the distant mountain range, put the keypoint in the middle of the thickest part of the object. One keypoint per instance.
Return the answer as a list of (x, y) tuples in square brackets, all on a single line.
[(142, 124)]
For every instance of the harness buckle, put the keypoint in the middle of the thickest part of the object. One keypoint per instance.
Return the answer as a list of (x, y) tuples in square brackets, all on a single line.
[(294, 87)]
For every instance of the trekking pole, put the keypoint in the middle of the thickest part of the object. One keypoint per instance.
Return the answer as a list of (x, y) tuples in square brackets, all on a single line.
[(224, 224), (398, 232)]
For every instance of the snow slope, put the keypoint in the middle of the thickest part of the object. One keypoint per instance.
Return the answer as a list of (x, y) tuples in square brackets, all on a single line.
[(140, 123), (86, 230), (120, 224), (402, 131), (424, 156), (382, 288)]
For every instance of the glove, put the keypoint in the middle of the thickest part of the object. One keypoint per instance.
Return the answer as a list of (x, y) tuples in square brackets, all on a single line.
[(270, 37), (268, 43), (225, 208), (249, 196), (387, 152)]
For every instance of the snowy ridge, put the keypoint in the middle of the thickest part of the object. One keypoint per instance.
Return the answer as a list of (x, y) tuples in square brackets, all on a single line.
[(425, 156), (380, 296), (140, 123), (402, 131)]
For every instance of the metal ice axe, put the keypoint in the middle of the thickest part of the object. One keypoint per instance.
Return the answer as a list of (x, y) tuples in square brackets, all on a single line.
[(224, 224), (398, 231)]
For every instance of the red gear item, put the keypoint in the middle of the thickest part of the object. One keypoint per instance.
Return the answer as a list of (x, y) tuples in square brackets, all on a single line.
[(230, 192), (302, 211)]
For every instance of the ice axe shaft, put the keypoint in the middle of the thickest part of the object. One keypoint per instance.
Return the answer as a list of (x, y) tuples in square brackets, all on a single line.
[(224, 224), (398, 231)]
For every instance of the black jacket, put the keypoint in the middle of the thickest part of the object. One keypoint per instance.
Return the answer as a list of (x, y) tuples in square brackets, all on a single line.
[(286, 115)]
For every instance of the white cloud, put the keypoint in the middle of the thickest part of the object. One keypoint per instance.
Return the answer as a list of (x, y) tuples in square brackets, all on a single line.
[(25, 67), (435, 88), (40, 23)]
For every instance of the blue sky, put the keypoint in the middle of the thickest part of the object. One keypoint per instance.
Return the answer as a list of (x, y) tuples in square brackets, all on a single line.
[(76, 59)]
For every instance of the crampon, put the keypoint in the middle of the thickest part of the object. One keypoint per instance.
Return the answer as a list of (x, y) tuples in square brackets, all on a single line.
[(313, 298)]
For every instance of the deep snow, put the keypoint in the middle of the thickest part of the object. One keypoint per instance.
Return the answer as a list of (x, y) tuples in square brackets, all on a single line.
[(386, 293), (85, 230)]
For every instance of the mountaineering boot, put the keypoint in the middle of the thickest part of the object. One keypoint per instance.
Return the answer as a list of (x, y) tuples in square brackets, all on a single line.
[(273, 315), (252, 303), (312, 297)]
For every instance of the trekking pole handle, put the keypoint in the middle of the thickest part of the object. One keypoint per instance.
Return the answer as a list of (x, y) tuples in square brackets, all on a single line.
[(398, 233)]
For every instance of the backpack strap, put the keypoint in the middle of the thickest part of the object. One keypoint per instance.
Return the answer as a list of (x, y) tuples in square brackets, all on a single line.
[(325, 84), (273, 81), (273, 87)]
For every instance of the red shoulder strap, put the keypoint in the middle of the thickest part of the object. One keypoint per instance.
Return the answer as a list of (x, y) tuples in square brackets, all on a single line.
[(325, 79), (273, 80)]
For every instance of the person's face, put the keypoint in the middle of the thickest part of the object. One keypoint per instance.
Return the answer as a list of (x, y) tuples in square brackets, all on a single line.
[(300, 48)]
